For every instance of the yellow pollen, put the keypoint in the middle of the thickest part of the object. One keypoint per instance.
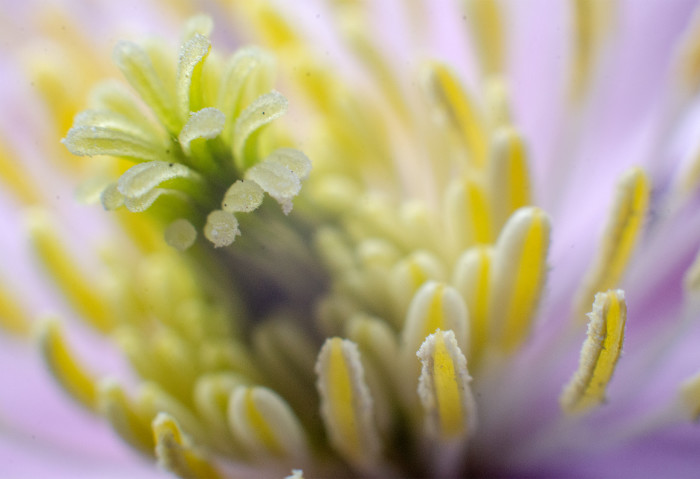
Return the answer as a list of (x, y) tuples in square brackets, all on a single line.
[(341, 396), (447, 390)]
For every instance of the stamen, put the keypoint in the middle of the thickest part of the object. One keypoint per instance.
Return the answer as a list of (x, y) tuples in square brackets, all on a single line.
[(15, 177), (508, 175), (408, 275), (435, 306), (81, 294), (599, 354), (175, 452), (472, 278), (13, 319), (444, 388), (277, 179), (265, 424), (619, 238), (488, 34), (689, 56), (519, 274), (691, 280), (690, 394), (140, 179), (591, 19), (460, 110), (131, 424), (470, 218), (64, 367), (346, 404)]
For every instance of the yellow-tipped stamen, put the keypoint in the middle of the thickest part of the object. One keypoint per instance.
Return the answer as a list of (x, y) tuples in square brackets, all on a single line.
[(131, 424), (410, 274), (435, 306), (12, 316), (346, 404), (462, 114), (497, 103), (470, 216), (690, 394), (599, 354), (472, 278), (444, 388), (619, 238), (80, 293), (691, 280), (688, 61), (518, 278), (15, 177), (488, 34), (509, 175), (64, 367), (264, 424), (591, 22), (176, 453)]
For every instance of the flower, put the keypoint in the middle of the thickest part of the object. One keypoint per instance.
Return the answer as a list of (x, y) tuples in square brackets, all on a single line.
[(413, 277)]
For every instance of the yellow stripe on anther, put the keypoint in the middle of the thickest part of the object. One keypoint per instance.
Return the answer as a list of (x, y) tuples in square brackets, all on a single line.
[(346, 404), (69, 373), (444, 387), (131, 426), (472, 278), (619, 238), (463, 115), (520, 270), (591, 21), (488, 34), (12, 317), (690, 395), (15, 177), (509, 176), (265, 424), (175, 452), (688, 56), (59, 264), (599, 354)]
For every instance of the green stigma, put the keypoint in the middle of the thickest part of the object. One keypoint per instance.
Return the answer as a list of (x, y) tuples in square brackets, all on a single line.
[(195, 150)]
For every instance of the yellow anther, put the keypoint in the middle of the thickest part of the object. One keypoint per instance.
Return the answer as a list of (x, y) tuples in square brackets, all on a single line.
[(461, 112), (619, 238), (690, 395), (690, 176), (497, 103), (64, 367), (519, 274), (175, 452), (472, 278), (509, 175), (444, 388), (591, 22), (689, 56), (488, 34), (599, 354), (131, 425), (81, 294), (346, 404), (15, 178), (435, 306), (12, 316), (691, 280), (265, 424), (469, 214)]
